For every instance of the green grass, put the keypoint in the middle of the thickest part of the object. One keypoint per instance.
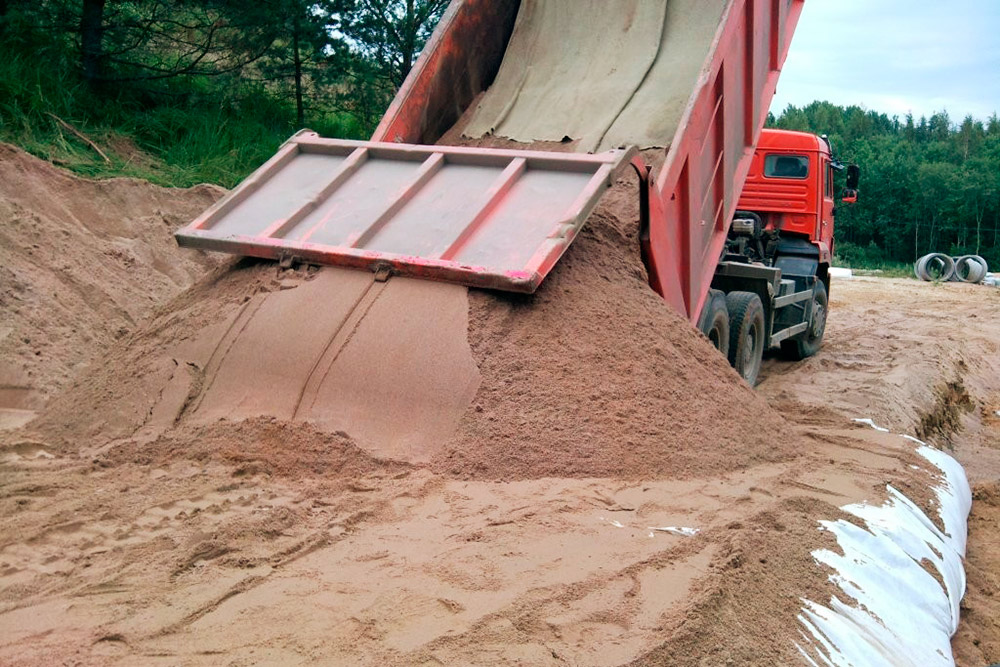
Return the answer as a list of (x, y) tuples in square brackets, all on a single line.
[(188, 131), (883, 269), (870, 260)]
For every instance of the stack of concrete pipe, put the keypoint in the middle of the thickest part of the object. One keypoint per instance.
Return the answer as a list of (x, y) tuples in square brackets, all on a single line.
[(939, 266)]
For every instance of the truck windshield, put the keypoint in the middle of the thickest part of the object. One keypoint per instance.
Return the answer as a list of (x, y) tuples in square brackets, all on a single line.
[(786, 166)]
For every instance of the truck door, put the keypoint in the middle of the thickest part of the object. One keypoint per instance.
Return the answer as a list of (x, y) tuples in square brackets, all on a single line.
[(825, 232)]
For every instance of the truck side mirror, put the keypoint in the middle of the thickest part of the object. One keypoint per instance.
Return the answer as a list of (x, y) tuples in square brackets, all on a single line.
[(850, 193), (853, 176)]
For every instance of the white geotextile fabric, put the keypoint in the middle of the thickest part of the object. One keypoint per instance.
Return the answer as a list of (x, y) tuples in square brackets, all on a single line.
[(604, 72), (901, 615)]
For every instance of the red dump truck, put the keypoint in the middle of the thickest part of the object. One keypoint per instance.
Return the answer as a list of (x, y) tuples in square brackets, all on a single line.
[(587, 84), (771, 286)]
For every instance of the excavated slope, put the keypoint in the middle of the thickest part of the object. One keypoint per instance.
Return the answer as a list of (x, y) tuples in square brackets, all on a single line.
[(82, 262)]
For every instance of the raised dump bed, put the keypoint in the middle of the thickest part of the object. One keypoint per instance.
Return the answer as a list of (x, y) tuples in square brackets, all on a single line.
[(692, 76), (695, 77)]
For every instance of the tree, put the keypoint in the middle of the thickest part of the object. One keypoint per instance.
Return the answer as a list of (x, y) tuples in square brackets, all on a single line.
[(926, 184), (389, 33), (122, 41), (91, 39), (980, 185), (301, 44)]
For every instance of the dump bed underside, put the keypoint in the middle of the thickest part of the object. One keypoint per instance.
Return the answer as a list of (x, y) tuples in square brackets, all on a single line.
[(481, 217)]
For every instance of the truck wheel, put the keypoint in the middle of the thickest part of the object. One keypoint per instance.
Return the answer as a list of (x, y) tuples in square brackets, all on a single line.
[(808, 343), (715, 321), (746, 334)]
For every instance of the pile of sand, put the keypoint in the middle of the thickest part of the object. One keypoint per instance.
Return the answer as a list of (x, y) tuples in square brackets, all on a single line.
[(592, 376), (82, 262), (595, 375)]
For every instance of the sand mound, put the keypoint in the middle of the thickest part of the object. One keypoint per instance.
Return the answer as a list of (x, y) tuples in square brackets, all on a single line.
[(595, 375), (592, 376), (328, 347), (81, 263)]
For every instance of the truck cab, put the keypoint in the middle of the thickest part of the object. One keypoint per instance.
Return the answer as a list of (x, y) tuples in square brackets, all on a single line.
[(790, 186), (772, 282)]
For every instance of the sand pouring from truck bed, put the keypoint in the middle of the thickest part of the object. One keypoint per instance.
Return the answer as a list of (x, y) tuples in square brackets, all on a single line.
[(594, 375)]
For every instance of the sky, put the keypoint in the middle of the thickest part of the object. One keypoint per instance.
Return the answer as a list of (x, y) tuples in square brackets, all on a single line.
[(896, 56)]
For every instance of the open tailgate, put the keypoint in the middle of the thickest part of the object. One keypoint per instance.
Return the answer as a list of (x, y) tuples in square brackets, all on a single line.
[(482, 217)]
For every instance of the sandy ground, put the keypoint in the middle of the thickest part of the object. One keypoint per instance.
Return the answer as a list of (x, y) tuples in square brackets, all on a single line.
[(141, 527), (922, 358), (220, 556)]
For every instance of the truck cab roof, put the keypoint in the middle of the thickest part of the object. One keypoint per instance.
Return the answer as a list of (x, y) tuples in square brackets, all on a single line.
[(791, 140)]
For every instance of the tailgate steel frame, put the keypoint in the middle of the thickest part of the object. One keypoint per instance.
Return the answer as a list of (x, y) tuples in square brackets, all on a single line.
[(583, 179)]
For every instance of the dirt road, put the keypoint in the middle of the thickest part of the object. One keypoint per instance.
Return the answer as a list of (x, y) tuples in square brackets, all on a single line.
[(922, 358), (264, 542)]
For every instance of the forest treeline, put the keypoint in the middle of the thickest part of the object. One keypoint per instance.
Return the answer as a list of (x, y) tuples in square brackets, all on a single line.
[(927, 184), (209, 88), (188, 91)]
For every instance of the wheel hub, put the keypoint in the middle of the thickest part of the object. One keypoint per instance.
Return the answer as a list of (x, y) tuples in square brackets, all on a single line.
[(750, 347), (819, 320)]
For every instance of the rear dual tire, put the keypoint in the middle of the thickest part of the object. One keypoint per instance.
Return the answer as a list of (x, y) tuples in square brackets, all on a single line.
[(746, 334), (715, 321), (734, 324)]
